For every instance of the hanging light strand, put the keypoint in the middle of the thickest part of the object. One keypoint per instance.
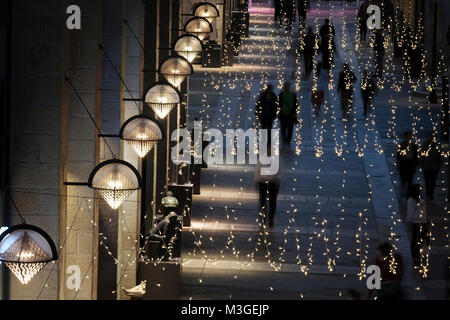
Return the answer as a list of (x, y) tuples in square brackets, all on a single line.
[(15, 206), (125, 21), (90, 115), (119, 75)]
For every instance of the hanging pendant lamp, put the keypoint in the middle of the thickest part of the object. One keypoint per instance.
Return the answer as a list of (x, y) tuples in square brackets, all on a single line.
[(141, 133), (25, 250), (175, 70), (207, 10), (188, 46), (115, 180), (198, 26), (162, 98)]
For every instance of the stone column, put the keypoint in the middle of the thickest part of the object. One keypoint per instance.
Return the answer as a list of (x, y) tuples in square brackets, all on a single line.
[(111, 92), (130, 212), (153, 171), (34, 160), (79, 138)]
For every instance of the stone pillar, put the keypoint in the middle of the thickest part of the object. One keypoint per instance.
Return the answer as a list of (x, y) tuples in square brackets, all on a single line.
[(170, 122), (111, 91), (5, 75), (130, 212), (153, 171), (35, 128), (177, 24), (79, 215)]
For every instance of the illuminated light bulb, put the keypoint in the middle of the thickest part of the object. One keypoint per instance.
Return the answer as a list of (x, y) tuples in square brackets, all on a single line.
[(26, 254), (142, 136), (141, 133), (162, 99), (115, 184)]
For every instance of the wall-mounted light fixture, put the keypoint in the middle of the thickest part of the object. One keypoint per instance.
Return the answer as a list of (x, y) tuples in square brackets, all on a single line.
[(162, 98), (188, 46), (175, 69), (206, 10), (141, 133), (114, 179), (25, 250), (198, 26)]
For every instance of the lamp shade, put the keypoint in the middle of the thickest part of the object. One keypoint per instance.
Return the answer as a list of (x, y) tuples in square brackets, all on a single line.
[(206, 10), (198, 26), (188, 46), (162, 98), (141, 133), (115, 180), (25, 250), (175, 69)]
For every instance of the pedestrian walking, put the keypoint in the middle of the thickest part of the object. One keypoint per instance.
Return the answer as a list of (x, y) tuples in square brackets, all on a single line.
[(288, 112), (318, 91), (345, 88), (268, 183), (302, 8), (277, 5), (288, 9), (407, 160), (391, 267), (353, 294), (327, 44), (326, 29), (311, 43), (379, 53), (367, 91), (362, 21), (266, 110), (416, 217), (431, 161)]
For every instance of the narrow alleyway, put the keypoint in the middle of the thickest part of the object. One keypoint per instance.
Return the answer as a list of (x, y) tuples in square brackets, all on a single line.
[(337, 200)]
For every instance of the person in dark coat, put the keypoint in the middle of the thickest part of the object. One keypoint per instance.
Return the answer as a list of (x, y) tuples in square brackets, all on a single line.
[(345, 88), (288, 9), (268, 184), (407, 160), (288, 112), (379, 53), (302, 8), (266, 109), (277, 5), (362, 21), (327, 29), (327, 44), (367, 91), (311, 45), (416, 217), (431, 161), (391, 267)]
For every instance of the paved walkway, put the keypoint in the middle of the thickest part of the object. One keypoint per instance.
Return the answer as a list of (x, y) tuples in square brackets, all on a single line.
[(337, 200)]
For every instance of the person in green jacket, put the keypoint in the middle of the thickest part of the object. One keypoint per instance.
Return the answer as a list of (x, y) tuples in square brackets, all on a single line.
[(288, 112)]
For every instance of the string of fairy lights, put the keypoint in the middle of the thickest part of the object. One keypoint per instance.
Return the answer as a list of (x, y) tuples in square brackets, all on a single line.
[(361, 235), (243, 84)]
